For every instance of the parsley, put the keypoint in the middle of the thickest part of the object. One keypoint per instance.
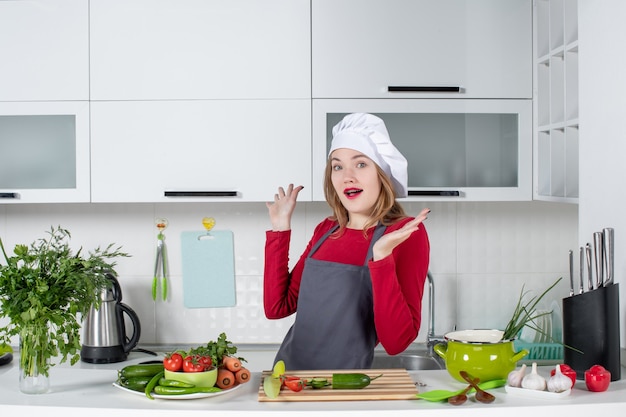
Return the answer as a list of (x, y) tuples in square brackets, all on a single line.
[(45, 290)]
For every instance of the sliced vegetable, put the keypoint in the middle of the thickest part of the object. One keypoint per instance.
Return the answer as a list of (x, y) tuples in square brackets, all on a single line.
[(279, 369), (317, 383), (295, 385), (271, 386)]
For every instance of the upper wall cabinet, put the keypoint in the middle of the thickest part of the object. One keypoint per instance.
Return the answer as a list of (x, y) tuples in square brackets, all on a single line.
[(556, 136), (199, 150), (422, 48), (44, 50), (200, 49), (44, 152)]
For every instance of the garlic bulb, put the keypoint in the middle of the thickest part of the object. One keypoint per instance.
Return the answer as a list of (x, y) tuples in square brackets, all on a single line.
[(533, 380), (515, 377), (559, 382)]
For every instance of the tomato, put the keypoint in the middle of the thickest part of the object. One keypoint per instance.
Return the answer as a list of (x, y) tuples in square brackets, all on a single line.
[(205, 361), (173, 362), (597, 378), (294, 384), (567, 371), (191, 364)]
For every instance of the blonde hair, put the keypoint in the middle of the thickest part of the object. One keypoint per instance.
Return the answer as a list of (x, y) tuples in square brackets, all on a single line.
[(386, 210)]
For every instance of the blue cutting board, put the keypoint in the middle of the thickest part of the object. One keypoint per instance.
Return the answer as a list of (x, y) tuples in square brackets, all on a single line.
[(208, 269)]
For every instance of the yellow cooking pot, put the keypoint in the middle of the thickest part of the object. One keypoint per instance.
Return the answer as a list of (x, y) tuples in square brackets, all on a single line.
[(481, 353)]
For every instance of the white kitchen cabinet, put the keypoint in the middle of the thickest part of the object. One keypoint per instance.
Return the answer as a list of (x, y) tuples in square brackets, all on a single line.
[(44, 152), (200, 49), (44, 48), (423, 48), (556, 134), (457, 150), (199, 150)]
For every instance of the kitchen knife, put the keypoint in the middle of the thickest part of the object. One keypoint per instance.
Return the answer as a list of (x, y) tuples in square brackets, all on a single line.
[(598, 246), (609, 253), (589, 267), (581, 289), (571, 273)]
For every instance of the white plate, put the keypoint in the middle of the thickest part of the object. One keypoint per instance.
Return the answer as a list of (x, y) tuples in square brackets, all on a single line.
[(533, 393), (180, 397)]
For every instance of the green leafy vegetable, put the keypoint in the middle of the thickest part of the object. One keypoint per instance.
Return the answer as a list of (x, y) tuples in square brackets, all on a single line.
[(217, 349), (46, 289)]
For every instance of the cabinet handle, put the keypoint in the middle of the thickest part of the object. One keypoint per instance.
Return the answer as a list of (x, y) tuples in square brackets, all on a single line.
[(422, 89), (436, 193), (200, 193), (9, 195)]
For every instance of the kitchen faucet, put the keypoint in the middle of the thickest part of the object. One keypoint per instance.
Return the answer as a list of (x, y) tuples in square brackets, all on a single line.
[(431, 339)]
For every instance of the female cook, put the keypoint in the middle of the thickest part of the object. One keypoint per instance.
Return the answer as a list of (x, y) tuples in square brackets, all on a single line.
[(361, 278)]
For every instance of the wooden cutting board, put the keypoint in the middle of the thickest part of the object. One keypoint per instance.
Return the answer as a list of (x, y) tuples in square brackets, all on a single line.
[(395, 384)]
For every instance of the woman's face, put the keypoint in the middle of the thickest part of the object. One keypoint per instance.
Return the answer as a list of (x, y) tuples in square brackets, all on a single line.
[(355, 179)]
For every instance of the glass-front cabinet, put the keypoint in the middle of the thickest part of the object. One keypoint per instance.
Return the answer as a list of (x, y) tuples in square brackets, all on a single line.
[(457, 150), (44, 152)]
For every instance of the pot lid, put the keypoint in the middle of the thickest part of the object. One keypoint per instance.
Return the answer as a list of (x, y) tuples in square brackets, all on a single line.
[(476, 336)]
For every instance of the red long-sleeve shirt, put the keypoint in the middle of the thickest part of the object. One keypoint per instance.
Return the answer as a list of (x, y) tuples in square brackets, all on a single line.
[(397, 280)]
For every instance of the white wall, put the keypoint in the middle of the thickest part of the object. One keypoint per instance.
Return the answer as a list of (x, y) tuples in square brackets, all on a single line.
[(602, 129), (481, 255)]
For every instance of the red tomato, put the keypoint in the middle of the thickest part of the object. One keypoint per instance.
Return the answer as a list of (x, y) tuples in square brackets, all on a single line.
[(173, 362), (192, 364), (294, 385), (597, 378), (205, 361), (567, 371)]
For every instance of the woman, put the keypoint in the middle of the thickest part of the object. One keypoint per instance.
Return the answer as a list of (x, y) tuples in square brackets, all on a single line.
[(361, 278)]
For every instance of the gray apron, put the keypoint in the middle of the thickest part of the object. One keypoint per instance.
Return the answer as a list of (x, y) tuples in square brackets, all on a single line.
[(334, 325)]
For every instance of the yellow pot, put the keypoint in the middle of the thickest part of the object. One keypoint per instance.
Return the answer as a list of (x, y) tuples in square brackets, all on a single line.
[(481, 353)]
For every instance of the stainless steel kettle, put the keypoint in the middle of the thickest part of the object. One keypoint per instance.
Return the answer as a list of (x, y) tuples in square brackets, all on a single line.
[(104, 331)]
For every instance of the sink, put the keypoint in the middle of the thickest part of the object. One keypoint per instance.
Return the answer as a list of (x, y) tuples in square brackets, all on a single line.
[(406, 361)]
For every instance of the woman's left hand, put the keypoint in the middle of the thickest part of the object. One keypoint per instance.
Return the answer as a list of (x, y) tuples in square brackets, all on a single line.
[(387, 242)]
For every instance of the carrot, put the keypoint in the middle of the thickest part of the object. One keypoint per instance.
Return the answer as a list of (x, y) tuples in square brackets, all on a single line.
[(231, 363), (225, 378), (242, 376)]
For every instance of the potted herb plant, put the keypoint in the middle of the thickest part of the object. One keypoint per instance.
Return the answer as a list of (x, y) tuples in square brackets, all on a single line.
[(45, 290)]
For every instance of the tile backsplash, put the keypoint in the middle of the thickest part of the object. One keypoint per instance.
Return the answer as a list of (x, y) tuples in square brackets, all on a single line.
[(481, 256)]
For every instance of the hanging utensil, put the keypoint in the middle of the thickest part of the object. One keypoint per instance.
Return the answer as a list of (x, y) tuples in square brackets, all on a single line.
[(598, 246), (609, 255), (160, 266)]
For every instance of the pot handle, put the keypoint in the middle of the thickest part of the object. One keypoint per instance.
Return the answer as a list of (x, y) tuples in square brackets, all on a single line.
[(519, 355), (441, 349), (134, 339)]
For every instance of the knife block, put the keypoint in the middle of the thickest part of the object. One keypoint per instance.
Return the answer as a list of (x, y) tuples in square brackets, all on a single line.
[(591, 325)]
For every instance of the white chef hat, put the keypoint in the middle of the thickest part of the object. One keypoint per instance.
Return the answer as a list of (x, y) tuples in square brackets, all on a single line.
[(367, 133)]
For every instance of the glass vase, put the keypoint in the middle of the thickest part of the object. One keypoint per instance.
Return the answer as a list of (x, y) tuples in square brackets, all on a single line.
[(34, 364)]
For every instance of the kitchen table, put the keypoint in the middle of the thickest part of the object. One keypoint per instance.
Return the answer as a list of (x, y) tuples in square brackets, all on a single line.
[(86, 390)]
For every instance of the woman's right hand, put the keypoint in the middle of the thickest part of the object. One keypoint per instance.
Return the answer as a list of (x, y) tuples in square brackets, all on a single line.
[(283, 206)]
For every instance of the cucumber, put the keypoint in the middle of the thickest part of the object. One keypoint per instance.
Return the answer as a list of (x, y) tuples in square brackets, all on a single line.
[(132, 371), (137, 383), (352, 381)]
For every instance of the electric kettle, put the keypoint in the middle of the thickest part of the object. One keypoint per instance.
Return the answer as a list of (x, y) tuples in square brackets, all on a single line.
[(104, 332)]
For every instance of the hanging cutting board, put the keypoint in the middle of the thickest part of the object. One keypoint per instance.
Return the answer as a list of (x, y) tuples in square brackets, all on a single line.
[(394, 384), (208, 269)]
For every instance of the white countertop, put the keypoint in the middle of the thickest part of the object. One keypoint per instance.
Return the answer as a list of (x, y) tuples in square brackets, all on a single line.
[(86, 390)]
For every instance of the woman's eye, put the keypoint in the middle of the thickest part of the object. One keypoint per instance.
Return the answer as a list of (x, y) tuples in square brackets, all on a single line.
[(336, 167), (361, 165)]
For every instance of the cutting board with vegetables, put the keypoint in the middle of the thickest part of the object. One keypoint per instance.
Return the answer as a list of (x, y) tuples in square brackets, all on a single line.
[(208, 269), (394, 384)]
